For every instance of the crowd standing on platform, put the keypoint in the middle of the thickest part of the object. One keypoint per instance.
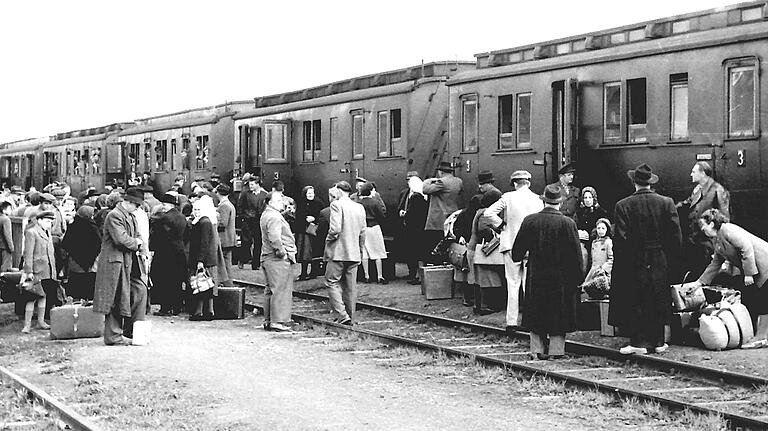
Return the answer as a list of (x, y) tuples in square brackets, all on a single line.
[(531, 255)]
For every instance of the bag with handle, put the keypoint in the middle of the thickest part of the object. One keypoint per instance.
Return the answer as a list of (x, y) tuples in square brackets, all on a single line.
[(457, 255), (201, 281), (488, 247), (687, 296), (311, 229)]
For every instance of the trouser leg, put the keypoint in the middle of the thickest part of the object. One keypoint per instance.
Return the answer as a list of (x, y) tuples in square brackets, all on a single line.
[(246, 243), (280, 282), (349, 290), (334, 271), (538, 343), (557, 344), (138, 305), (227, 252), (514, 273), (256, 232)]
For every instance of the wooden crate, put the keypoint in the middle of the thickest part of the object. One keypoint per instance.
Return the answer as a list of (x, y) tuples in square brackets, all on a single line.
[(437, 281)]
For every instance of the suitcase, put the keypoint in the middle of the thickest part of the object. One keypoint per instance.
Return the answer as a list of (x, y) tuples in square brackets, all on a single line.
[(437, 281), (76, 321), (230, 303), (9, 286)]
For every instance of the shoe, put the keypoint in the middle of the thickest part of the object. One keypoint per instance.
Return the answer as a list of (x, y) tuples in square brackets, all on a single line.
[(512, 329), (26, 330), (124, 341), (279, 327), (208, 317), (467, 303), (43, 325), (542, 356), (366, 280), (239, 266), (163, 313), (345, 321), (483, 311), (416, 281), (196, 317), (755, 344), (631, 350), (558, 356), (265, 325), (661, 349), (383, 280)]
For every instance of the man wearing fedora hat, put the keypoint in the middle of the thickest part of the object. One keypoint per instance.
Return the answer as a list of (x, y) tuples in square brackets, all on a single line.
[(514, 206), (570, 193), (489, 191), (646, 245), (444, 193), (551, 241)]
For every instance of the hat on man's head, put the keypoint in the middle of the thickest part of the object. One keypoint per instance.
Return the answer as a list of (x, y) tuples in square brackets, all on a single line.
[(642, 175), (445, 167), (223, 189), (17, 190), (567, 169), (49, 187), (199, 178), (485, 177), (361, 180), (553, 194), (58, 193), (45, 214), (134, 195), (411, 174), (520, 175), (215, 176), (147, 188), (92, 193), (168, 199), (344, 186), (47, 197)]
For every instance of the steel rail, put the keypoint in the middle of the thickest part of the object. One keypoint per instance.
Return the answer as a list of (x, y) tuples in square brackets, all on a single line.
[(574, 347), (734, 421), (67, 415)]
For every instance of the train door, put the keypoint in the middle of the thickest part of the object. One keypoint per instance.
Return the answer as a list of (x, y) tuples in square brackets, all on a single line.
[(564, 128), (355, 165), (467, 165), (251, 149)]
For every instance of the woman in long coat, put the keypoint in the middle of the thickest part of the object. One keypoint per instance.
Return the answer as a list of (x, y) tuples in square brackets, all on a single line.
[(415, 216), (554, 272), (310, 249), (82, 242), (204, 251), (169, 264)]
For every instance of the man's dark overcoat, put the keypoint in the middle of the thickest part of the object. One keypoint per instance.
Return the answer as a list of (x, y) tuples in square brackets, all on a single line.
[(646, 245), (169, 264), (118, 252), (554, 271)]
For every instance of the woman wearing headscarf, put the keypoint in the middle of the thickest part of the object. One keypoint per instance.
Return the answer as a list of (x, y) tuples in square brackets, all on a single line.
[(414, 216), (586, 217), (83, 244), (310, 250), (204, 248)]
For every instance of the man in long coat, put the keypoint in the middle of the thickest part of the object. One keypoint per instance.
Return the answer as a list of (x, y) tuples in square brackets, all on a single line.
[(169, 264), (646, 244), (551, 241), (121, 290), (444, 193)]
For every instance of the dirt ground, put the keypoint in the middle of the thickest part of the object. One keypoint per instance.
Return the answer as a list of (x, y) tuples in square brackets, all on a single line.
[(402, 295)]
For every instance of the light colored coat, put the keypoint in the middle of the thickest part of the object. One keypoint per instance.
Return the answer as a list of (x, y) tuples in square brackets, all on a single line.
[(346, 230), (226, 224), (741, 249), (444, 196), (39, 258), (515, 205), (118, 247), (276, 235)]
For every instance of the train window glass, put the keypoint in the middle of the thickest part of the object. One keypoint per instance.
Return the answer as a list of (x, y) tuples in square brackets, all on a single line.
[(742, 96), (563, 48), (681, 26), (134, 156), (317, 137), (678, 97), (528, 54), (506, 124), (185, 153), (95, 161), (752, 14), (612, 111), (334, 138), (174, 153), (86, 162), (523, 126), (307, 138), (202, 151), (638, 34), (76, 163), (161, 154), (276, 142), (636, 110), (394, 116), (579, 45), (514, 57), (618, 38), (469, 124), (384, 144), (357, 136)]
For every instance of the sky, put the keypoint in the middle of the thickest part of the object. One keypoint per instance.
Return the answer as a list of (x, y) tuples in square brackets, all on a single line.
[(70, 65)]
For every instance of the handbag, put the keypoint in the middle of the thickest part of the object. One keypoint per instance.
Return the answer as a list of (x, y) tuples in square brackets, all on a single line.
[(34, 287), (457, 255), (495, 258), (311, 229), (441, 249), (488, 247), (687, 296), (201, 281), (598, 287)]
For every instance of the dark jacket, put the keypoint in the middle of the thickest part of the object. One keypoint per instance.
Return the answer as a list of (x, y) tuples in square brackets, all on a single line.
[(203, 244), (306, 208), (375, 211), (710, 195), (571, 202), (6, 238), (166, 238), (586, 218), (646, 245), (251, 205), (82, 242), (554, 270), (39, 257)]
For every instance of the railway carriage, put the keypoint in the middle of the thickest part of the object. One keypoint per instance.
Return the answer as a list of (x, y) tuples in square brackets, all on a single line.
[(668, 92), (376, 126), (20, 162)]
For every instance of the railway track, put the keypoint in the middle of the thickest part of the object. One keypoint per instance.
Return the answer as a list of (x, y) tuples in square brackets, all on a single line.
[(69, 417), (742, 400)]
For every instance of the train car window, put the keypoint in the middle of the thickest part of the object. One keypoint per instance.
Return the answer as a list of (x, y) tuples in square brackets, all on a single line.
[(96, 161), (384, 144), (395, 124), (742, 99), (636, 110), (638, 34), (76, 163), (612, 112), (317, 137), (469, 124), (752, 14), (147, 164), (115, 158), (506, 122), (185, 153), (161, 155), (311, 140), (174, 154), (5, 168), (276, 142), (307, 148), (334, 138), (86, 162), (357, 135), (681, 26), (202, 151), (678, 106), (133, 155), (618, 38), (523, 125)]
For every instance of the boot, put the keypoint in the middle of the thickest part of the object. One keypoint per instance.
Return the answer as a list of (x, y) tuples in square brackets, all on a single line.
[(468, 292), (479, 309)]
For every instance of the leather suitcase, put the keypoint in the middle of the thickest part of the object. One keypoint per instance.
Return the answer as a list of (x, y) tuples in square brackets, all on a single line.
[(437, 281), (9, 286), (230, 303), (76, 321)]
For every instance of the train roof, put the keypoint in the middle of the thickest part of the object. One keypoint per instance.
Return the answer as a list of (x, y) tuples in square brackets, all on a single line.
[(22, 145), (686, 25), (198, 112), (427, 70)]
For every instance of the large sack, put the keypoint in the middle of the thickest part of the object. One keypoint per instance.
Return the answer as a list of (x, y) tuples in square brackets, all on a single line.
[(744, 320), (731, 326), (713, 333)]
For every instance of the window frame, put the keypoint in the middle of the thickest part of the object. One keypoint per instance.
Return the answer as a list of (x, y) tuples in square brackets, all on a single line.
[(742, 63), (333, 137), (358, 113), (268, 125), (518, 143), (676, 81), (506, 140), (466, 100), (383, 134), (617, 139), (311, 140)]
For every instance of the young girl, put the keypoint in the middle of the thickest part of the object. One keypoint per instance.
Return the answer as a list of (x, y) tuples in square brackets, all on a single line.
[(598, 280), (39, 267)]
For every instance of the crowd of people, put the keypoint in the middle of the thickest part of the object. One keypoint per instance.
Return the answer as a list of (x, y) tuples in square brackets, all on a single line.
[(531, 255)]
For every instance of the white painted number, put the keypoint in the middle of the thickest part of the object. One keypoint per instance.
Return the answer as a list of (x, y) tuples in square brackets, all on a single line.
[(741, 160)]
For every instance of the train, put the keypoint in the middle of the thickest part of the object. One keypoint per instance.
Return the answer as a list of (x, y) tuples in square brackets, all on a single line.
[(668, 92)]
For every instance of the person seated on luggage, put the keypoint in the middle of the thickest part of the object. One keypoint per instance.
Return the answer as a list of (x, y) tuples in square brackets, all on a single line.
[(597, 283), (82, 242), (39, 269), (735, 247)]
